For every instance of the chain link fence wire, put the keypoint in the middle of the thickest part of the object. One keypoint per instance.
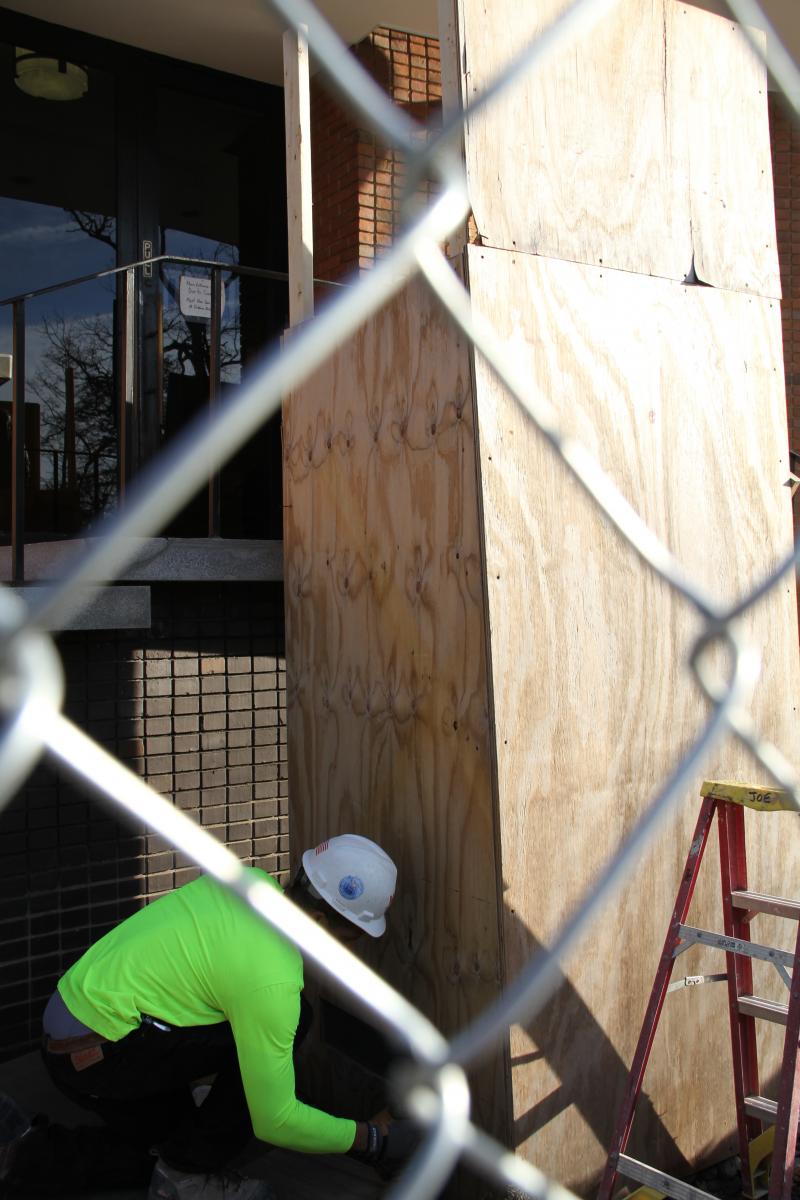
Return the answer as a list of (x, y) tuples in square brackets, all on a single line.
[(433, 1083)]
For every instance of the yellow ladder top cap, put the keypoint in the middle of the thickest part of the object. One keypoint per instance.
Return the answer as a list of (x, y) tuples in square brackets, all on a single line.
[(762, 799)]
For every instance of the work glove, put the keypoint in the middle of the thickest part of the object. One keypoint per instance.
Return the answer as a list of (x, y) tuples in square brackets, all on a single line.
[(399, 1143), (389, 1152)]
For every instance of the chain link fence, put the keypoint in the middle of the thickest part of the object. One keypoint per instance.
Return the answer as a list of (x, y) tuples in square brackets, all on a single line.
[(433, 1083)]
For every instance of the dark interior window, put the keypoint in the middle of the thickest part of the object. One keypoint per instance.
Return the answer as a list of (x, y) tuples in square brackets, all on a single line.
[(86, 184)]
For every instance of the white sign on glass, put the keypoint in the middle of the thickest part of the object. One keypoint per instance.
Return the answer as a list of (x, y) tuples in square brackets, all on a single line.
[(195, 297)]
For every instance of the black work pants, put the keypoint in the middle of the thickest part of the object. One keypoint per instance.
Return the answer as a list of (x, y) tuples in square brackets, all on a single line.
[(141, 1088)]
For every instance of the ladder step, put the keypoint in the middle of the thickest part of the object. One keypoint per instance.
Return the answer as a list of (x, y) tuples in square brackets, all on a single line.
[(775, 905), (766, 1010), (761, 1108), (631, 1168), (690, 935)]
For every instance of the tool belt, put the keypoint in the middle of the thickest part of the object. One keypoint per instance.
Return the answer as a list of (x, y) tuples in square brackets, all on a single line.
[(90, 1039), (73, 1045), (84, 1050)]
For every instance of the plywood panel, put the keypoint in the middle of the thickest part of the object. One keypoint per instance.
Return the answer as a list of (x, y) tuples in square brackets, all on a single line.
[(678, 391), (719, 93), (386, 666), (643, 147)]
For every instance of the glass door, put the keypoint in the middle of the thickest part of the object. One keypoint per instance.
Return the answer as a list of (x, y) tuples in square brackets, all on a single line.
[(148, 157), (221, 200), (58, 221)]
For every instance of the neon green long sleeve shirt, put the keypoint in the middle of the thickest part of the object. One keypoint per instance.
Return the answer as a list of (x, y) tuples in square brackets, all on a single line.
[(198, 957)]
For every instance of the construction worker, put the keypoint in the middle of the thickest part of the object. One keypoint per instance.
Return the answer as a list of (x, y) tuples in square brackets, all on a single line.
[(191, 986)]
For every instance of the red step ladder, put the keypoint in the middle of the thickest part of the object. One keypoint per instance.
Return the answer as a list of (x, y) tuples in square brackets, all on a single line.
[(739, 905)]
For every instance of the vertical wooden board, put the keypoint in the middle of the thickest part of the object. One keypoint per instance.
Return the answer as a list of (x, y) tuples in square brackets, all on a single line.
[(624, 147), (719, 90), (297, 106), (678, 392), (447, 21), (387, 687)]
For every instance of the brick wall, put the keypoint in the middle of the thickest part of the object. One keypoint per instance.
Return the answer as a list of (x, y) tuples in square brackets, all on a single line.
[(196, 705), (357, 182), (786, 175)]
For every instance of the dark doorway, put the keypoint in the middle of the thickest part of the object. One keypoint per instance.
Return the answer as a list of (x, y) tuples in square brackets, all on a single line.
[(58, 220), (217, 202), (154, 157)]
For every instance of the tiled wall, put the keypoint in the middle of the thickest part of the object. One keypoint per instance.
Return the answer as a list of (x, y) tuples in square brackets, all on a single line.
[(196, 705), (358, 183)]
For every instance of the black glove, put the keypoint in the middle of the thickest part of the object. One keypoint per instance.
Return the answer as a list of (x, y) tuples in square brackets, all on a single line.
[(389, 1152), (397, 1147), (374, 1146)]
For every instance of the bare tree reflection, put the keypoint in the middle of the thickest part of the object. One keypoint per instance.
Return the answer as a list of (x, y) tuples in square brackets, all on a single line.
[(74, 386)]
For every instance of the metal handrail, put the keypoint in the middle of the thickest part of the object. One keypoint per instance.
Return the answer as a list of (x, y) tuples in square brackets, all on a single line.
[(213, 264), (126, 375)]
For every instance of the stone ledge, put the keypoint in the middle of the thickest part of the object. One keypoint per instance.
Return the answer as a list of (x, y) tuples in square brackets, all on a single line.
[(105, 608), (161, 560)]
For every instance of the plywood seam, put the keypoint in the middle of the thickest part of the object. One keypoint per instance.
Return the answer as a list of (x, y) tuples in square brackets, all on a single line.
[(604, 267), (490, 703)]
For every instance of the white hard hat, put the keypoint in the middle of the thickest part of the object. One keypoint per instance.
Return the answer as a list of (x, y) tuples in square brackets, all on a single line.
[(355, 877)]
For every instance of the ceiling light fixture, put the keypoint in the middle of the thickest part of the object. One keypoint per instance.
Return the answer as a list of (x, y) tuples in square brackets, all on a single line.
[(49, 78)]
